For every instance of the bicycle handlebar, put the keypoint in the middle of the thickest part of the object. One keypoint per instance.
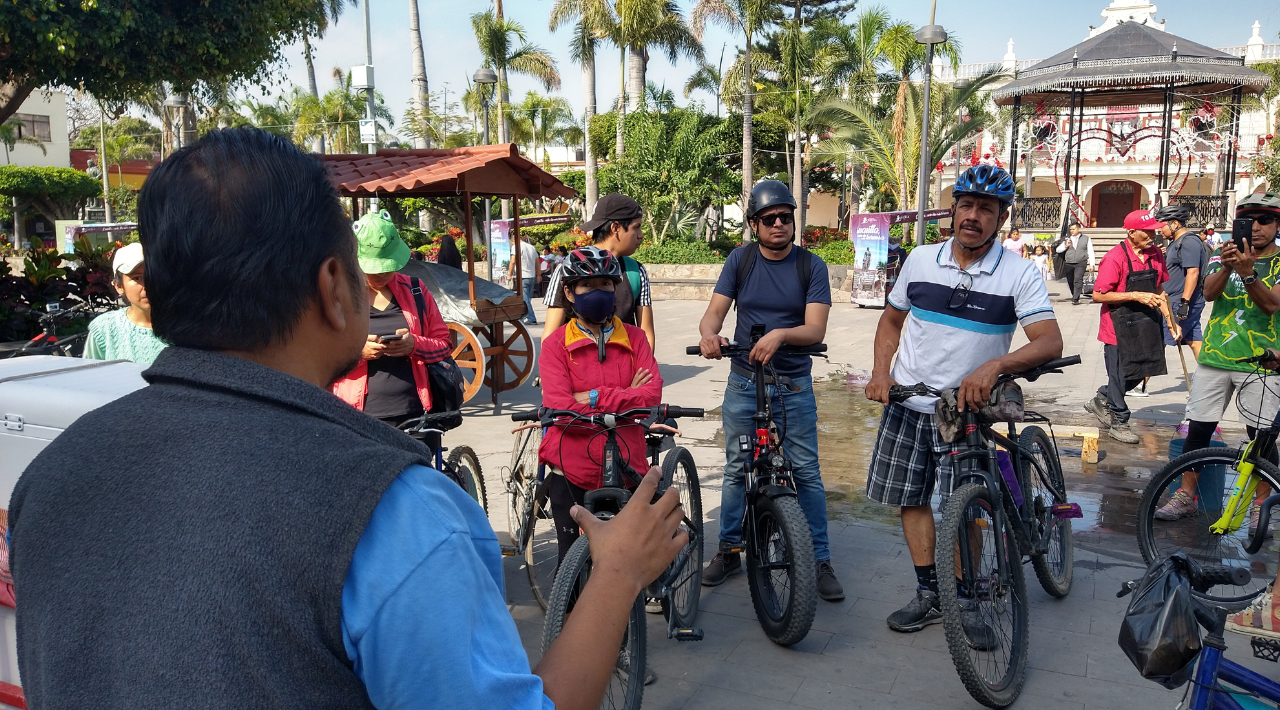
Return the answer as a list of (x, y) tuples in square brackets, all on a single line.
[(1211, 576), (1260, 535), (659, 413), (427, 418), (1053, 366), (735, 349), (901, 393)]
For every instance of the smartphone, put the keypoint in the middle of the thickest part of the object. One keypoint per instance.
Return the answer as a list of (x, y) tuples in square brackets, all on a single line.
[(1242, 232), (391, 338)]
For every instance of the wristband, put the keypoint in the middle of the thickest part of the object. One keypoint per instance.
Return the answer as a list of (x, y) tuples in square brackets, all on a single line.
[(595, 398)]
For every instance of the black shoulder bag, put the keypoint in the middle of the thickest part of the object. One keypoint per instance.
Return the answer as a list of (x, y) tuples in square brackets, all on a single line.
[(444, 377)]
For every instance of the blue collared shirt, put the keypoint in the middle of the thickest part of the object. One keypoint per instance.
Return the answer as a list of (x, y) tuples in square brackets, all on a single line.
[(424, 615)]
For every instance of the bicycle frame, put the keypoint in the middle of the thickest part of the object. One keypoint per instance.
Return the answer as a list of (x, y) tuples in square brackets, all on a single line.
[(1236, 508), (1214, 667), (979, 450)]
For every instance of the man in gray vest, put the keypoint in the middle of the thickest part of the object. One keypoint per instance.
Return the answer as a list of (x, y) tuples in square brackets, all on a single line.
[(1077, 251), (260, 543)]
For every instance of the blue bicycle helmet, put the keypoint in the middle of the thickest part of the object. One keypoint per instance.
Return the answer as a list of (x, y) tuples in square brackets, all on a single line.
[(986, 180)]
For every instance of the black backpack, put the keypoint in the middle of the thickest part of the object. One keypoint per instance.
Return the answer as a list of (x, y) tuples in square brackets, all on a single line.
[(444, 377), (804, 270)]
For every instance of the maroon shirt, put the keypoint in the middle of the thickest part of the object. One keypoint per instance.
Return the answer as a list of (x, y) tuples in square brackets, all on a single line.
[(1112, 273)]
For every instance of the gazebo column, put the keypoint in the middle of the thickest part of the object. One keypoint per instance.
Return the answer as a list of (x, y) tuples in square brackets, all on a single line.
[(1013, 137), (1079, 144), (1166, 147)]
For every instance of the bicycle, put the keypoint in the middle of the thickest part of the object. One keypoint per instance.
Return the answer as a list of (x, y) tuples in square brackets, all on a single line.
[(462, 466), (533, 533), (991, 519), (1217, 533), (1213, 669), (47, 342), (678, 587), (781, 571)]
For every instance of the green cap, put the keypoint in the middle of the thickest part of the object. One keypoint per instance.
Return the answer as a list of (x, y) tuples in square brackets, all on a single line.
[(380, 250)]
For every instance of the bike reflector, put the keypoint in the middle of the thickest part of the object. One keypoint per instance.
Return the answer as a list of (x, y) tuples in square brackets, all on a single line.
[(1063, 511)]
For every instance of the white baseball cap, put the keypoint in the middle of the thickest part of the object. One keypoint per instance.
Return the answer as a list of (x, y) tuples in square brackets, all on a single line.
[(127, 258)]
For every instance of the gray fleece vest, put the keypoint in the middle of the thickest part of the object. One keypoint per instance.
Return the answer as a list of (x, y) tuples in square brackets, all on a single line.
[(1080, 253), (186, 545)]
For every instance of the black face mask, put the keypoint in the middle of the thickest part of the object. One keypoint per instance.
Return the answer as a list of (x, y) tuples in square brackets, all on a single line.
[(595, 306)]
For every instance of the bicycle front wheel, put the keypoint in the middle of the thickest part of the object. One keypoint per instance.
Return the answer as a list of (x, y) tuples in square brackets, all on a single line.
[(626, 684), (986, 622), (541, 546), (521, 481), (1055, 568), (1205, 534), (466, 466), (680, 472), (781, 571)]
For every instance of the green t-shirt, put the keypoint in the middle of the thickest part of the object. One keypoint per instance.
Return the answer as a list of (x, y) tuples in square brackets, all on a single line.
[(112, 336), (1238, 328)]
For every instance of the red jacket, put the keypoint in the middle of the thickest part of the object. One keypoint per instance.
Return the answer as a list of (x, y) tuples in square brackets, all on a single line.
[(569, 364), (431, 344)]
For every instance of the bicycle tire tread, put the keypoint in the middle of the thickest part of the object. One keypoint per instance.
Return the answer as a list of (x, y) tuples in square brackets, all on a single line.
[(1050, 582), (669, 465), (477, 475), (798, 618)]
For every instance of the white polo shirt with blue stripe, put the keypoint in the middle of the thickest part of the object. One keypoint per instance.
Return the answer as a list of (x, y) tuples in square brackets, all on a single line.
[(942, 345)]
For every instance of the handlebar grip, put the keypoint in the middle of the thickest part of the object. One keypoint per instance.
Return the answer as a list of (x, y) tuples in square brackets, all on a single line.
[(1061, 362), (677, 412), (693, 350), (532, 416), (815, 348), (1213, 575)]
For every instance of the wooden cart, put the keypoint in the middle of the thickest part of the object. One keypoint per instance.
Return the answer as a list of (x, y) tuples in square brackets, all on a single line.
[(491, 345)]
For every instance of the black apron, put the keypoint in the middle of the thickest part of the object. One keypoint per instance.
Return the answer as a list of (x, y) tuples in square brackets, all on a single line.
[(1139, 328)]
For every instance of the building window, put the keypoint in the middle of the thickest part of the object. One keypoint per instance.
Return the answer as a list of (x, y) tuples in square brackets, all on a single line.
[(33, 125)]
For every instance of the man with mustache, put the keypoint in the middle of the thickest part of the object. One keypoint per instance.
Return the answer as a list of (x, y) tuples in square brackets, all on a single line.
[(950, 320)]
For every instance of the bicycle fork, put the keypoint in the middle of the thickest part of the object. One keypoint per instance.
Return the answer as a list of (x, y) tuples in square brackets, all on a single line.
[(972, 526)]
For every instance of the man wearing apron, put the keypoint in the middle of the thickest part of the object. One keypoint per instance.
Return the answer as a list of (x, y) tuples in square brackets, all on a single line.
[(1135, 311)]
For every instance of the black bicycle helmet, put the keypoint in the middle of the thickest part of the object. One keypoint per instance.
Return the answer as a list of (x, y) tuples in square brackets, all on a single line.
[(986, 180), (1259, 203), (769, 193), (590, 262), (1182, 213)]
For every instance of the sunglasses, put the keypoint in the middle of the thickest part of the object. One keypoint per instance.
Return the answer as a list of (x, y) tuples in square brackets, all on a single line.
[(1266, 220), (772, 219), (960, 294)]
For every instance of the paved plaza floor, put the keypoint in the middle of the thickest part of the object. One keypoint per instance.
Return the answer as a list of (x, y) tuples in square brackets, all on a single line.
[(851, 659)]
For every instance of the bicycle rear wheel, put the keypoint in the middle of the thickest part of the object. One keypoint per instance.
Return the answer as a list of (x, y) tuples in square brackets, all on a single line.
[(679, 470), (541, 547), (466, 465), (520, 480), (993, 670), (626, 685), (1055, 569), (781, 571), (1191, 534)]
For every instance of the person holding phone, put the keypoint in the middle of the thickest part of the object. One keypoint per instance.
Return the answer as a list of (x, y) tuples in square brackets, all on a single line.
[(406, 331), (1242, 284)]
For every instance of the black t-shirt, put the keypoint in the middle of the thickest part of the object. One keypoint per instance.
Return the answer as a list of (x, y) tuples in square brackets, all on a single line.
[(391, 389)]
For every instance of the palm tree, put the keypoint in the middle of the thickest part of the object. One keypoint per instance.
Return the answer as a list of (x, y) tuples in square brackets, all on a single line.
[(11, 136), (118, 150), (278, 117), (336, 115), (421, 138), (645, 24), (546, 117), (332, 8), (748, 17), (594, 21), (707, 79), (504, 47), (660, 98)]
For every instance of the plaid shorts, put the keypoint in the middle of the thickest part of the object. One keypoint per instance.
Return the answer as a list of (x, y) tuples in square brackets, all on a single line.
[(908, 459)]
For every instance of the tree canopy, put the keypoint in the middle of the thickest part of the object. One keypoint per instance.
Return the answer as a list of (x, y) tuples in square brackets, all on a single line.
[(57, 193)]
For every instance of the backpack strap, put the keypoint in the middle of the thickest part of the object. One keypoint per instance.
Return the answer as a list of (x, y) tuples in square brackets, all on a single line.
[(631, 270), (804, 266), (415, 285), (745, 262)]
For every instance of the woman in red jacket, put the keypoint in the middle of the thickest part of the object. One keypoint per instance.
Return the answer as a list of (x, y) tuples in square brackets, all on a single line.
[(406, 331), (593, 363)]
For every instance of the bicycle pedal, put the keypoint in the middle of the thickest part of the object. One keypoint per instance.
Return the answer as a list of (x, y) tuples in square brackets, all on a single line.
[(1063, 511), (1265, 648), (694, 634), (509, 551)]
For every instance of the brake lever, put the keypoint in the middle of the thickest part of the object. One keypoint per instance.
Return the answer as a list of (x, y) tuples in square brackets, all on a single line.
[(1126, 588)]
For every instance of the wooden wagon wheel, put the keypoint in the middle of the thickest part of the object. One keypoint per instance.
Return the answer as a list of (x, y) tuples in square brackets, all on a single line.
[(518, 359), (469, 354)]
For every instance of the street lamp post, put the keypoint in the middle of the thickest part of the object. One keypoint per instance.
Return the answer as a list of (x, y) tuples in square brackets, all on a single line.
[(959, 85), (929, 35), (483, 77)]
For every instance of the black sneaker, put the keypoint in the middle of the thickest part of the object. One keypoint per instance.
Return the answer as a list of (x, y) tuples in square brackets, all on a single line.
[(1098, 408), (980, 634), (828, 586), (919, 613), (720, 567)]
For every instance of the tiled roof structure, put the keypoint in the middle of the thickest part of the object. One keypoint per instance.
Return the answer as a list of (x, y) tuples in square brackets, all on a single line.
[(497, 170)]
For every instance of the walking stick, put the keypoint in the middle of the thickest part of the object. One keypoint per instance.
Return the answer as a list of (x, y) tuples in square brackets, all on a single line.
[(1186, 378)]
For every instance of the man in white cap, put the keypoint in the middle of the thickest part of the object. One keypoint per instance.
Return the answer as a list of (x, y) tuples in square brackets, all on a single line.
[(125, 334)]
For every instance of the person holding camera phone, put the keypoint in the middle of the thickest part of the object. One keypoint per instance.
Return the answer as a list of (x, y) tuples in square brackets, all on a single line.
[(406, 331), (1242, 284)]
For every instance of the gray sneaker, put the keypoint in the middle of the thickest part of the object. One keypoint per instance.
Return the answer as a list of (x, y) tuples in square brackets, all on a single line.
[(918, 613), (1122, 433), (980, 634), (1098, 408)]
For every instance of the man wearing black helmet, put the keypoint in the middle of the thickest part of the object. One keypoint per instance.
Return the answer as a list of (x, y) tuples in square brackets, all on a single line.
[(1186, 259), (781, 285), (950, 321)]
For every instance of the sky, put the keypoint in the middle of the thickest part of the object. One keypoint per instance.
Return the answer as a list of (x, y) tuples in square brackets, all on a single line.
[(1039, 29)]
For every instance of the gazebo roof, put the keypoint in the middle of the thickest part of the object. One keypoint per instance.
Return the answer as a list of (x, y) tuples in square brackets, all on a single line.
[(1136, 58), (497, 170)]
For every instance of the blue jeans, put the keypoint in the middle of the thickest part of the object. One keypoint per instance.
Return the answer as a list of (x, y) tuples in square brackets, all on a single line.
[(529, 317), (799, 443)]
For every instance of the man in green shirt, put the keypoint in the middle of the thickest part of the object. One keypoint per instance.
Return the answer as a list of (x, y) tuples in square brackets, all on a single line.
[(126, 334), (1246, 299)]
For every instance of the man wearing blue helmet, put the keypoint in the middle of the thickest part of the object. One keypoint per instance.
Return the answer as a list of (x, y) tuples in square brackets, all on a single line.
[(950, 320)]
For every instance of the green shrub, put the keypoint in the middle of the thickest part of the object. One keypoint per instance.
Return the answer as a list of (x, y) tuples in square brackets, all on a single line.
[(572, 239), (840, 253), (723, 246), (542, 234), (678, 252)]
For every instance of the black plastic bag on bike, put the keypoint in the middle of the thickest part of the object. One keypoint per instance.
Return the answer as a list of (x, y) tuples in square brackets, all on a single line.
[(1006, 405), (1160, 634)]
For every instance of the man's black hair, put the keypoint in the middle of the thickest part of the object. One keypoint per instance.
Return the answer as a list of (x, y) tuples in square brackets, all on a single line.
[(235, 228), (602, 232)]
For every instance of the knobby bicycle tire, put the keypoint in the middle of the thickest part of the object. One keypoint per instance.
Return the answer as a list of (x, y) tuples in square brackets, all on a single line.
[(540, 546), (520, 481), (1158, 538), (464, 461), (977, 667), (779, 536), (1055, 569), (678, 469), (626, 685)]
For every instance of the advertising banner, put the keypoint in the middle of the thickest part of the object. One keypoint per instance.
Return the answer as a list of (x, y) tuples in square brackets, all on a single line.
[(500, 251), (871, 262)]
